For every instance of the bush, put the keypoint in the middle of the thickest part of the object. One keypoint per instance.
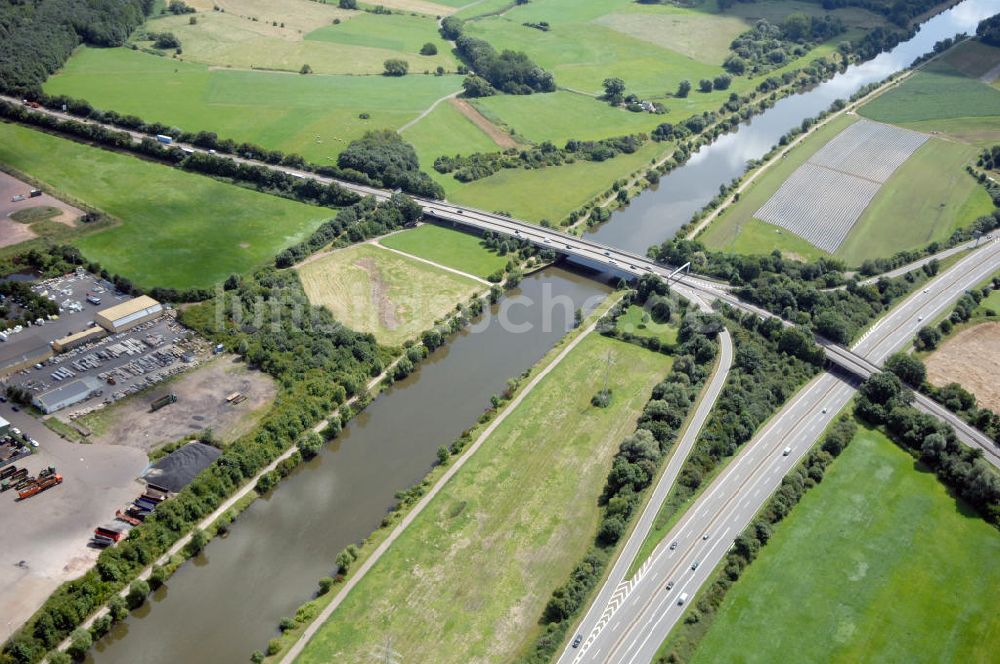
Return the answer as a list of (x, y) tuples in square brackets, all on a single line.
[(80, 643), (137, 593), (428, 49), (396, 67)]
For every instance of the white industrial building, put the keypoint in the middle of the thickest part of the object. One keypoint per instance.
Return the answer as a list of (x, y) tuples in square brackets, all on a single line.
[(129, 314), (67, 395)]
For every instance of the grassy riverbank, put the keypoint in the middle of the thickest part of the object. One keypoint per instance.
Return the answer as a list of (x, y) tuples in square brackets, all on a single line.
[(515, 519)]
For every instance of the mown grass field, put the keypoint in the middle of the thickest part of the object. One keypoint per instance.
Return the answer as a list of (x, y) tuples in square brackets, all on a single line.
[(635, 321), (315, 116), (178, 229), (550, 193), (229, 40), (374, 290), (514, 521), (453, 248), (877, 563), (445, 131), (925, 200)]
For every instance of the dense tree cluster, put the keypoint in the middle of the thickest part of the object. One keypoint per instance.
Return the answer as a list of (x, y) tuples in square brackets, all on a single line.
[(803, 293), (882, 400), (365, 219), (19, 305), (990, 157), (632, 471), (479, 165), (767, 45), (37, 37), (900, 12), (512, 72), (988, 30), (386, 158)]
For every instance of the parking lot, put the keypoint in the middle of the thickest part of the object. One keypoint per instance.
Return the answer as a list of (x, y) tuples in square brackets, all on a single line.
[(114, 366)]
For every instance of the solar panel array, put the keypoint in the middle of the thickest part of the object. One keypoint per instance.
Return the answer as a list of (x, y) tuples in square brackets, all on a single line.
[(824, 198)]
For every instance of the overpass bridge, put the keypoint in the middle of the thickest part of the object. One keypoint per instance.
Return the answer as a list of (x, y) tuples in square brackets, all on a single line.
[(700, 290)]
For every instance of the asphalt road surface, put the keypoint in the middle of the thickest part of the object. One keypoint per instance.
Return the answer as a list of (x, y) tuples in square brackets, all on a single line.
[(646, 610)]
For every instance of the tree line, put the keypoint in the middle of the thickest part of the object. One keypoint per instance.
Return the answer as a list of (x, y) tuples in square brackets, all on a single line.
[(633, 469), (883, 401), (803, 293), (479, 165), (988, 30), (512, 72), (37, 37), (367, 156)]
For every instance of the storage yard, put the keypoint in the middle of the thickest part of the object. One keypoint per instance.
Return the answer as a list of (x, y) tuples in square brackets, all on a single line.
[(824, 197)]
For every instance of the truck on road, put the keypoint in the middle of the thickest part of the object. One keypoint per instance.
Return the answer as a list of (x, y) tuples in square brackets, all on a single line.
[(163, 138), (39, 486)]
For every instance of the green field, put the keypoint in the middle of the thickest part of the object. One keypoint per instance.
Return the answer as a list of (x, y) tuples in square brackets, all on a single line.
[(445, 131), (453, 248), (374, 290), (877, 564), (315, 116), (925, 200), (178, 229), (549, 193), (636, 321), (229, 40), (514, 521), (938, 92), (560, 116)]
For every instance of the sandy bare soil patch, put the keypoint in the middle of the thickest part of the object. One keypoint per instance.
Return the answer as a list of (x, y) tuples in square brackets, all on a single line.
[(12, 232), (46, 536), (499, 137), (972, 359), (201, 404)]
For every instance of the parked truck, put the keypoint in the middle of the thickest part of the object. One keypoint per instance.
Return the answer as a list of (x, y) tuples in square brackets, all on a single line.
[(14, 479), (39, 486), (163, 138), (165, 400)]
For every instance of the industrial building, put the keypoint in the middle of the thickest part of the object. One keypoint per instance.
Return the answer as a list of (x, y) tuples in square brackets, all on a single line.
[(129, 314), (71, 341), (67, 395)]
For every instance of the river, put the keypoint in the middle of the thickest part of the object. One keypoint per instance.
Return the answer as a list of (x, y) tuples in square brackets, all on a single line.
[(228, 601), (657, 214)]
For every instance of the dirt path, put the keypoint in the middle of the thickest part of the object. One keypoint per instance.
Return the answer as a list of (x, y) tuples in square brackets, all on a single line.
[(427, 111), (430, 262), (499, 137), (370, 562), (384, 305)]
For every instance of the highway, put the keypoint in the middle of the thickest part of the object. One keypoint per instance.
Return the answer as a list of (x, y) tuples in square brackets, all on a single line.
[(631, 628)]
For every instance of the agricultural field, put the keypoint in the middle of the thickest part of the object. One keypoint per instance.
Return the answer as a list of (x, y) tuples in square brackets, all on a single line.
[(315, 116), (177, 229), (924, 200), (359, 44), (824, 197), (452, 248), (371, 289), (878, 532), (495, 522), (946, 97), (971, 358)]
